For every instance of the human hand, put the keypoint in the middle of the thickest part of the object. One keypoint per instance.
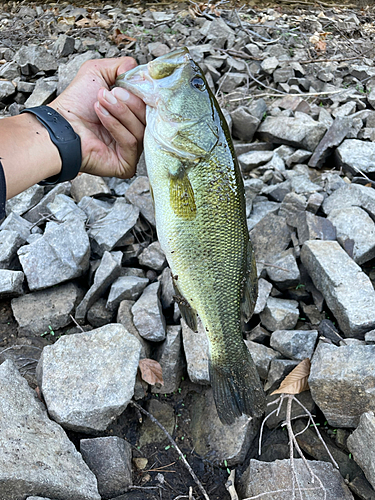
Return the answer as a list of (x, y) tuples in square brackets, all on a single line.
[(110, 123)]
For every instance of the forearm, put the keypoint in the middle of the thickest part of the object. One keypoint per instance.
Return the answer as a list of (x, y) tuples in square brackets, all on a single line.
[(26, 152)]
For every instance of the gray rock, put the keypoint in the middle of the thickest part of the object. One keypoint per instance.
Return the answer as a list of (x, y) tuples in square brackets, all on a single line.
[(39, 312), (294, 344), (9, 71), (69, 70), (301, 132), (157, 49), (109, 458), (300, 180), (270, 236), (361, 445), (262, 357), (171, 361), (6, 89), (264, 290), (88, 185), (244, 124), (278, 370), (269, 65), (215, 441), (253, 159), (326, 118), (61, 254), (10, 242), (196, 349), (298, 156), (11, 283), (46, 463), (43, 93), (346, 109), (26, 87), (282, 75), (342, 382), (279, 314), (22, 202), (64, 209), (347, 290), (219, 32), (40, 210), (231, 81), (351, 195), (283, 270), (354, 155), (260, 210), (64, 46), (125, 317), (148, 316), (87, 379), (314, 202), (105, 275), (17, 224), (125, 288), (263, 477), (313, 227), (167, 288), (35, 58), (96, 210), (153, 257), (98, 315), (110, 231), (292, 206), (139, 194)]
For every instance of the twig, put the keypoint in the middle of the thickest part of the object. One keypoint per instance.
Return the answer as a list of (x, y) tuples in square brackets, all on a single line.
[(173, 442), (308, 94), (229, 485), (74, 321)]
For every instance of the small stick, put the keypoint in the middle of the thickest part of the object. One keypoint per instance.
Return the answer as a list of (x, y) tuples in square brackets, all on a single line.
[(229, 485), (74, 320), (173, 442)]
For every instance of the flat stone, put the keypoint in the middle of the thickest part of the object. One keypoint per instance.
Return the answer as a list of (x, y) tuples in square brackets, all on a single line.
[(139, 194), (22, 202), (153, 257), (157, 49), (355, 224), (263, 477), (88, 185), (361, 445), (351, 195), (279, 314), (300, 180), (113, 228), (35, 58), (270, 236), (260, 210), (313, 227), (98, 315), (262, 357), (149, 432), (347, 290), (69, 70), (253, 159), (87, 379), (125, 317), (64, 46), (125, 288), (6, 89), (96, 210), (292, 206), (314, 202), (10, 242), (61, 254), (269, 65), (148, 316), (244, 124), (299, 156), (301, 132), (17, 224), (171, 361), (283, 270), (264, 290), (9, 71), (109, 458), (231, 81), (64, 209), (40, 210), (46, 462), (11, 283), (167, 289), (342, 382), (37, 313), (43, 93), (354, 155), (294, 344), (196, 349)]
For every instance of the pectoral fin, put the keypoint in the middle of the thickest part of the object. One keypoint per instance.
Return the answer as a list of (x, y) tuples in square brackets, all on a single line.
[(182, 196), (187, 312), (250, 290)]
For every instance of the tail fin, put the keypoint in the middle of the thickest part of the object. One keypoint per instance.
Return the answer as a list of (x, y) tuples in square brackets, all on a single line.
[(237, 389)]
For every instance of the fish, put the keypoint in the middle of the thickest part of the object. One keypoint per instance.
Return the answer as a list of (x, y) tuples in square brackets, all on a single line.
[(199, 202)]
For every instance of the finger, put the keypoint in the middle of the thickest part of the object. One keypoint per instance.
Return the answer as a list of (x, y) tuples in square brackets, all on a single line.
[(136, 104), (108, 69)]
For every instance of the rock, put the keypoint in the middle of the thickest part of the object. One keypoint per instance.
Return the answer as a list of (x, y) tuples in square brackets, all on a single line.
[(313, 227), (262, 357), (298, 156), (229, 82), (43, 93), (63, 208), (39, 312), (22, 202), (278, 370), (196, 349), (270, 236), (263, 477), (61, 254), (6, 89), (291, 207), (264, 290), (280, 314), (244, 124), (10, 242), (153, 257), (17, 224), (88, 185), (300, 180), (125, 317), (342, 382), (46, 463), (109, 458), (283, 270), (96, 210), (9, 71), (110, 231), (148, 316), (347, 290), (69, 70), (64, 46), (260, 210), (107, 272), (87, 379), (354, 155), (125, 288), (355, 224), (139, 194), (35, 58), (11, 283), (314, 202), (215, 441), (361, 445), (301, 132), (157, 49), (98, 315), (167, 289), (282, 75), (39, 211), (269, 65), (171, 361), (294, 344), (351, 195), (253, 159), (149, 432)]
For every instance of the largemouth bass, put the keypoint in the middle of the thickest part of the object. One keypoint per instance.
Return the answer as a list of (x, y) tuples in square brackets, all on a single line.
[(200, 219)]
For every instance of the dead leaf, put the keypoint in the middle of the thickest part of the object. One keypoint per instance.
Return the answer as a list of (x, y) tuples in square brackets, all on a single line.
[(151, 371), (119, 37), (85, 23), (104, 23), (321, 46), (67, 20), (296, 381)]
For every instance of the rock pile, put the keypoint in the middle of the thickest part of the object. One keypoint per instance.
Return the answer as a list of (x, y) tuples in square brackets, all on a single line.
[(299, 98)]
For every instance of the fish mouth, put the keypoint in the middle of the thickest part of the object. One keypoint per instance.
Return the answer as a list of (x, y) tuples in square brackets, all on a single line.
[(139, 82)]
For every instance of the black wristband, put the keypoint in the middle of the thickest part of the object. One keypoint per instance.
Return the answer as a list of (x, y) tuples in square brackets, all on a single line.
[(65, 139)]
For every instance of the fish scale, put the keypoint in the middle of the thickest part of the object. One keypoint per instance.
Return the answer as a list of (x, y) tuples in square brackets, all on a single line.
[(200, 219)]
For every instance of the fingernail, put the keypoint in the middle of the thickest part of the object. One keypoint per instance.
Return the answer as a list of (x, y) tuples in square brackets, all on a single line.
[(109, 97), (121, 94), (101, 109)]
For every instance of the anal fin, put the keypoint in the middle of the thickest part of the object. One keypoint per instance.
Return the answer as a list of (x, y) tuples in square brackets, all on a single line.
[(187, 312)]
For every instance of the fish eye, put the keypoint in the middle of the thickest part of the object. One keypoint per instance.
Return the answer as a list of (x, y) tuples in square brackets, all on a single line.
[(198, 83)]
